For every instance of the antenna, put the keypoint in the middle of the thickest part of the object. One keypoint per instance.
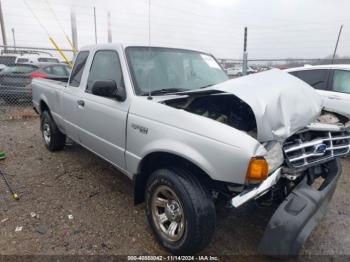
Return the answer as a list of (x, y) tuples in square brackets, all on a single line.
[(149, 48)]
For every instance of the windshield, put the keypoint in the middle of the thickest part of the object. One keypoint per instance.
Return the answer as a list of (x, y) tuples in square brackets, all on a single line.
[(20, 69), (173, 70)]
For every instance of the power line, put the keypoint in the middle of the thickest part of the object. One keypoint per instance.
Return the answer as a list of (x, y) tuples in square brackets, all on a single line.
[(336, 45), (37, 18), (54, 15)]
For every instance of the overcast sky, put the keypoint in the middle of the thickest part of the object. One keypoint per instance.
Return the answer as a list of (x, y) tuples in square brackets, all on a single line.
[(276, 28)]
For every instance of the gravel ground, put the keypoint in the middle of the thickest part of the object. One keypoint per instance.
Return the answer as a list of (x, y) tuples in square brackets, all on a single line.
[(84, 206), (13, 112)]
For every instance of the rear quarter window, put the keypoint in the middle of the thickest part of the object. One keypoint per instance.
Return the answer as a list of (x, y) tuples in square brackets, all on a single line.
[(78, 68)]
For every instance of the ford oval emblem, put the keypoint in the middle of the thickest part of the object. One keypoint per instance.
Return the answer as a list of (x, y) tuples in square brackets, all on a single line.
[(320, 149)]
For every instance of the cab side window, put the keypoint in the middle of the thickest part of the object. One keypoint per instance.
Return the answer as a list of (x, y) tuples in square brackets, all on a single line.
[(78, 68), (105, 66), (341, 81), (316, 78)]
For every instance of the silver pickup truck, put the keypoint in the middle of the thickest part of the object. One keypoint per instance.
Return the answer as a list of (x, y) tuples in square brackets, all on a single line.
[(188, 137)]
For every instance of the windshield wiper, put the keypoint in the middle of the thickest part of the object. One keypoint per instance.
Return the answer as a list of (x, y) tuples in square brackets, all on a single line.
[(165, 91), (206, 86)]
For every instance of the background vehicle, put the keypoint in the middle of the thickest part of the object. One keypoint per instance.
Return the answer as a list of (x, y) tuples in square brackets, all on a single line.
[(8, 59), (251, 70), (15, 79), (237, 70), (2, 67), (13, 57), (36, 59), (234, 71), (186, 135), (331, 81)]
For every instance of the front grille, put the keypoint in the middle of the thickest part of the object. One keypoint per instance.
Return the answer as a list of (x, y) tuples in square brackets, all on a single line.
[(313, 147)]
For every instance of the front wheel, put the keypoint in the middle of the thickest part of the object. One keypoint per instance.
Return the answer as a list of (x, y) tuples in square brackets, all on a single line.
[(53, 138), (180, 211)]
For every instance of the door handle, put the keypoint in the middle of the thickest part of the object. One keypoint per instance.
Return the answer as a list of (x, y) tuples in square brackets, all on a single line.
[(81, 102)]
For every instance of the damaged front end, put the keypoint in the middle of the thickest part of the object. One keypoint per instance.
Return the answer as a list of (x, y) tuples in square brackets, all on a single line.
[(302, 146), (303, 185)]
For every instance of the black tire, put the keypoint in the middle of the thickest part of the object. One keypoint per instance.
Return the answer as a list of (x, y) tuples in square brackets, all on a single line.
[(56, 139), (197, 205)]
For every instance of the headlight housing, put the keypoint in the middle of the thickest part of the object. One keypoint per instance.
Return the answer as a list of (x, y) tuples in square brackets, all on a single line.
[(274, 155)]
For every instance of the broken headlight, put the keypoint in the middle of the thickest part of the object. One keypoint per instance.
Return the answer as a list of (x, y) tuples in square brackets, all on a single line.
[(274, 155)]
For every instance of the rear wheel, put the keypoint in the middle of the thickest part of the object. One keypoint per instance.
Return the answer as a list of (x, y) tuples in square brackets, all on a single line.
[(180, 211), (53, 137)]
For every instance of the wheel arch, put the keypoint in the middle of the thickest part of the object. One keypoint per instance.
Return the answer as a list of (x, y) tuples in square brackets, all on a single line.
[(43, 106), (161, 159)]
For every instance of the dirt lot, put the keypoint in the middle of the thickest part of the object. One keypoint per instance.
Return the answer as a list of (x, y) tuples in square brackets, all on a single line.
[(104, 220)]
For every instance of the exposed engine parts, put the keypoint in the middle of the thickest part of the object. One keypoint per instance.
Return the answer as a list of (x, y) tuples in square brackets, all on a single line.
[(224, 108), (333, 118)]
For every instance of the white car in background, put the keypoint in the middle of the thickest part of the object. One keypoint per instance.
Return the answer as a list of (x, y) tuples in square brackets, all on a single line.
[(236, 70), (9, 59), (32, 58), (331, 81)]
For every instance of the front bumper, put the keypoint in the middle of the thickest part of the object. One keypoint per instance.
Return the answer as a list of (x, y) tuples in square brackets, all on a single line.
[(258, 191), (299, 213)]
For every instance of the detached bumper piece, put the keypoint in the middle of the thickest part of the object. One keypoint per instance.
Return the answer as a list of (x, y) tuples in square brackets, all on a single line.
[(298, 215)]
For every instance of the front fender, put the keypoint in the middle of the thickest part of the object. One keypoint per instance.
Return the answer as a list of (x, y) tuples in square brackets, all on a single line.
[(182, 150), (220, 161)]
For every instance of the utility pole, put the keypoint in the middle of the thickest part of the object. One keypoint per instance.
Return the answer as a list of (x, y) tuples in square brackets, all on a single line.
[(336, 45), (109, 27), (73, 21), (14, 38), (95, 25), (245, 53), (3, 32)]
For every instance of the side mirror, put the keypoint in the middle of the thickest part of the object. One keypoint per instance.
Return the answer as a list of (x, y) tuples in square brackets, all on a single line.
[(105, 88)]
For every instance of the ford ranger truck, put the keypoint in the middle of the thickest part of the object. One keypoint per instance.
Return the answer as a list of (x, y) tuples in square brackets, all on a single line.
[(187, 136)]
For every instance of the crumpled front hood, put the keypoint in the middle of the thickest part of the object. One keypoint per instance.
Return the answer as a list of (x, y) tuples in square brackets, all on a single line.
[(282, 104)]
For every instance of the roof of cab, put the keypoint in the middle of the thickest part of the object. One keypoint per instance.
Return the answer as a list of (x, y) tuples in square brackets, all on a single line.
[(124, 46)]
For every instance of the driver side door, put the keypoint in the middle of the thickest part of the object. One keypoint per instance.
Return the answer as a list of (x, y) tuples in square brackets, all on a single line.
[(103, 120)]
